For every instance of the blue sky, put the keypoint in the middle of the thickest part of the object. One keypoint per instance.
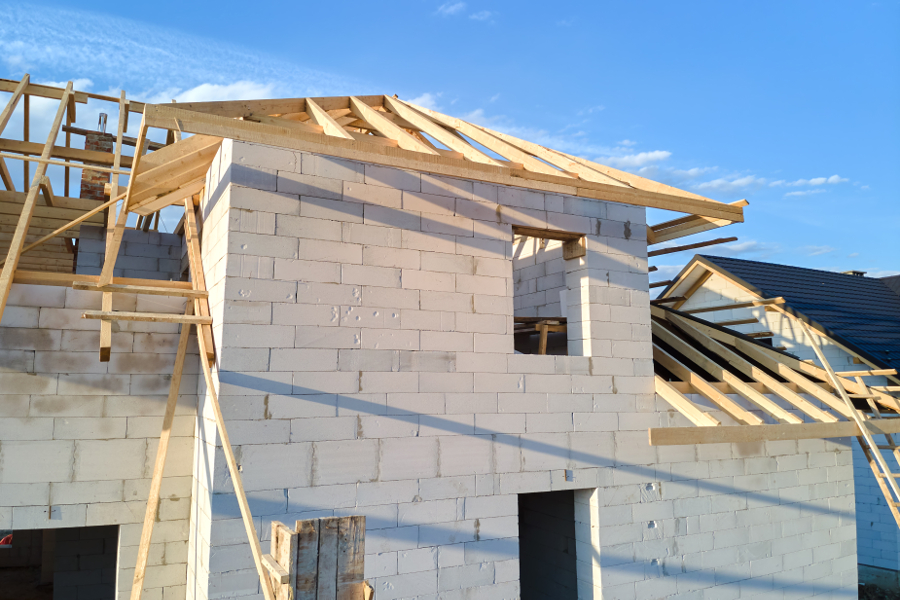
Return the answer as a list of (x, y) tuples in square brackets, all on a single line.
[(794, 106)]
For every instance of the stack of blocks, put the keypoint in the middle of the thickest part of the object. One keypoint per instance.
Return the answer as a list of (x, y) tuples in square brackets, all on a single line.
[(363, 321)]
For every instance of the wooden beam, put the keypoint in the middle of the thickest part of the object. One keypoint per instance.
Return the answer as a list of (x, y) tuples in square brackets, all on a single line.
[(92, 159), (18, 241), (162, 451), (278, 573), (300, 126), (325, 121), (722, 374), (766, 360), (546, 234), (668, 300), (106, 299), (5, 176), (685, 226), (17, 92), (198, 279), (42, 91), (388, 127), (47, 191), (752, 371), (766, 302), (741, 434), (69, 279), (141, 289), (235, 472), (121, 315), (868, 373), (734, 322), (437, 132), (674, 366), (682, 404), (657, 284), (491, 142), (674, 249), (166, 117), (154, 205), (61, 163)]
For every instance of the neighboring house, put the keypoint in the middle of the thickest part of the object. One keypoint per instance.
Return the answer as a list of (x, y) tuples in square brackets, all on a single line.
[(861, 318)]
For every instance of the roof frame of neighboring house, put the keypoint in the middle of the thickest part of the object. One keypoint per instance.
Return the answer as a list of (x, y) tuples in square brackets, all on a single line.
[(700, 269)]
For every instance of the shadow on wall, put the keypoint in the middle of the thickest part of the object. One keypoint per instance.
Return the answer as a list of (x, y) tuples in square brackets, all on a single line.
[(278, 505)]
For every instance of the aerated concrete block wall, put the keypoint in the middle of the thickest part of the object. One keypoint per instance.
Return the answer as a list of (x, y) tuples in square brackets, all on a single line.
[(878, 538), (78, 437), (142, 255), (366, 366)]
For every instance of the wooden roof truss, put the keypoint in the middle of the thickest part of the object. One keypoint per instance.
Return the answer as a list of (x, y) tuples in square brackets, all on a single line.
[(779, 396)]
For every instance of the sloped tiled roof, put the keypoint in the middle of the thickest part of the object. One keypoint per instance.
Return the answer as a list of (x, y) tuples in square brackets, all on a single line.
[(863, 313)]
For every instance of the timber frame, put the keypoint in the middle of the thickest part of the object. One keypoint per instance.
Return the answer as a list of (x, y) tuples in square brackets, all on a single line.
[(37, 227)]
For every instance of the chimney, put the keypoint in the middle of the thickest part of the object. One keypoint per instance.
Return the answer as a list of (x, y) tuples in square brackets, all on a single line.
[(855, 273), (92, 182)]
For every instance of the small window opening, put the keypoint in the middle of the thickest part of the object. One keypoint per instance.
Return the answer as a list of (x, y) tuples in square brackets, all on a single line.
[(539, 293)]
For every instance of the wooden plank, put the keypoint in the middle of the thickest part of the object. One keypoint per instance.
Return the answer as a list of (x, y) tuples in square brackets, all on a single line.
[(278, 573), (674, 249), (153, 205), (739, 434), (284, 550), (351, 558), (162, 451), (17, 92), (141, 289), (546, 234), (43, 91), (682, 404), (722, 374), (106, 300), (92, 159), (867, 373), (68, 279), (300, 126), (122, 315), (195, 122), (6, 177), (765, 302), (326, 121), (328, 557), (18, 241), (307, 559), (61, 163), (234, 471), (174, 179), (752, 371), (436, 131), (387, 127), (492, 143), (575, 248), (736, 322), (195, 262), (729, 406), (690, 225)]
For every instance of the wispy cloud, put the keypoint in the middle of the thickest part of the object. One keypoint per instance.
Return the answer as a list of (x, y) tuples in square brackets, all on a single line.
[(732, 185), (451, 8), (804, 193), (427, 100), (495, 97), (633, 161), (814, 181), (590, 110), (882, 273), (481, 15), (628, 143), (817, 250), (566, 22), (751, 249)]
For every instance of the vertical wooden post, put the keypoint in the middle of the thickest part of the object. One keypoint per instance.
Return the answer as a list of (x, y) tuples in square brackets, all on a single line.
[(201, 305), (328, 557), (284, 551), (351, 558), (307, 559), (140, 569), (26, 133)]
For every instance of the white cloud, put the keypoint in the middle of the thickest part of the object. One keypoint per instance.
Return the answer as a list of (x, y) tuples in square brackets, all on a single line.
[(730, 186), (451, 8), (882, 273), (804, 193), (427, 100), (817, 250), (481, 15), (495, 97), (591, 110), (814, 181), (853, 255), (631, 161), (210, 92), (747, 249), (627, 143)]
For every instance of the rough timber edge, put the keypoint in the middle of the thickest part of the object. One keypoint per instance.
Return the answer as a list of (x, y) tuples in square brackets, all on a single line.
[(189, 121)]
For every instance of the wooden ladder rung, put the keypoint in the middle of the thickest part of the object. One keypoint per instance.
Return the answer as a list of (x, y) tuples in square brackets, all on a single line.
[(141, 289), (886, 447), (863, 396), (883, 476), (139, 316)]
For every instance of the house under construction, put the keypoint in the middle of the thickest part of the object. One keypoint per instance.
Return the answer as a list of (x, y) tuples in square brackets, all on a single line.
[(391, 352)]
